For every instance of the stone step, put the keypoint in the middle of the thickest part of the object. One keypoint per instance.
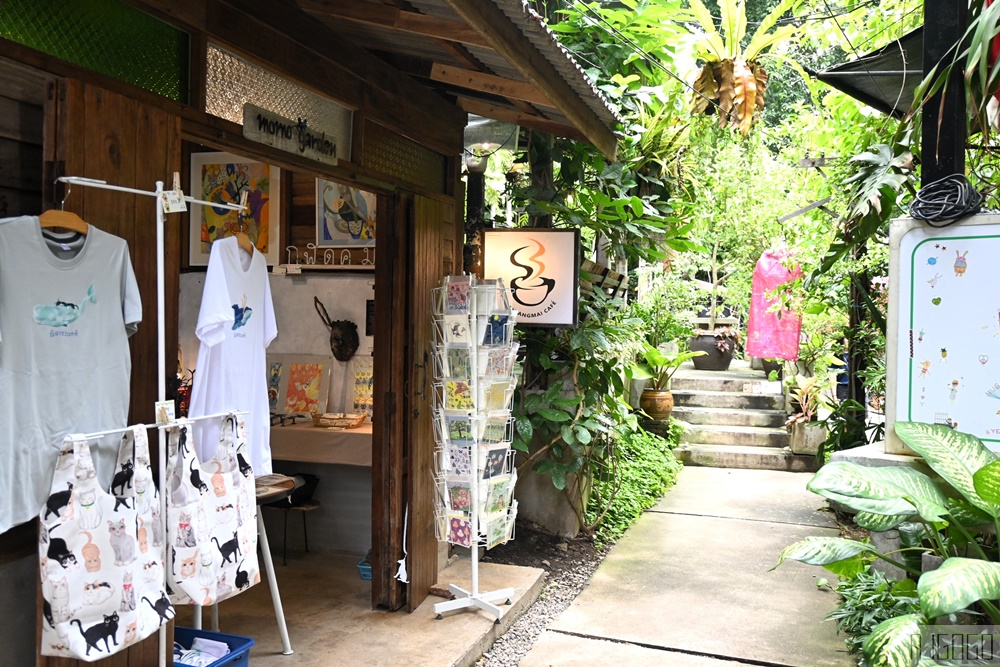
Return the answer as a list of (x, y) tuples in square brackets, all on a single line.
[(729, 416), (747, 436), (728, 399), (734, 456), (719, 381)]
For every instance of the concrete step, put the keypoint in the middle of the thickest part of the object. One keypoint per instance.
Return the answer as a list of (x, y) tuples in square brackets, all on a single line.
[(729, 416), (747, 436), (727, 399), (735, 456), (717, 381)]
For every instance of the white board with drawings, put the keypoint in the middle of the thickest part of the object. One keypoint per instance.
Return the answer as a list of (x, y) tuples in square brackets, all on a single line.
[(945, 314)]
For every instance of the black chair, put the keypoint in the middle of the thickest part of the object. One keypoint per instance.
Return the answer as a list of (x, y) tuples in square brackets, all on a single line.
[(300, 500)]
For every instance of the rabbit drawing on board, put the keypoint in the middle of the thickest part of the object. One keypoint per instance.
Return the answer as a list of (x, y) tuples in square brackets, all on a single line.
[(960, 264)]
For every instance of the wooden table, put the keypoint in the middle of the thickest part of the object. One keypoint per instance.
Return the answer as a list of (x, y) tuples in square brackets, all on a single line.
[(306, 443)]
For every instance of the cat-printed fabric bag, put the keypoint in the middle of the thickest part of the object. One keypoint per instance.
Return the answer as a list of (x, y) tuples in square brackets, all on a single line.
[(101, 554), (211, 517)]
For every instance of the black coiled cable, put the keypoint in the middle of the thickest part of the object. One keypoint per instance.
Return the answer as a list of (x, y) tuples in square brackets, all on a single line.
[(946, 201)]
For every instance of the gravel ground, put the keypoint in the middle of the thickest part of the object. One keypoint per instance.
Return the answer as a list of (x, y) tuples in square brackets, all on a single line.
[(569, 565)]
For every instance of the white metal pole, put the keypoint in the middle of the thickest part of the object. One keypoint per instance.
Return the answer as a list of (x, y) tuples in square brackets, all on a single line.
[(476, 458), (161, 342)]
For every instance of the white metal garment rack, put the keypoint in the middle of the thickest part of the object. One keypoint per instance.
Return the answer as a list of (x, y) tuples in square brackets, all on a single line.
[(161, 355)]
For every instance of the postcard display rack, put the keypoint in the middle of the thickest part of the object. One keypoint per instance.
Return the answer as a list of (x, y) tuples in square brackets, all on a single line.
[(476, 374)]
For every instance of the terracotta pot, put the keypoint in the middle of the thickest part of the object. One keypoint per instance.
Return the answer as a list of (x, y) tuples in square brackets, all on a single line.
[(713, 359), (657, 403)]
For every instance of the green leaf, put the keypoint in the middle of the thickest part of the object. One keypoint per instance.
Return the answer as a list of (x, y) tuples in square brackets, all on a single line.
[(894, 643), (849, 567), (567, 401), (954, 455), (524, 428), (823, 550), (881, 490), (957, 584), (531, 402), (554, 415), (559, 477), (567, 434), (878, 523), (583, 435), (987, 482)]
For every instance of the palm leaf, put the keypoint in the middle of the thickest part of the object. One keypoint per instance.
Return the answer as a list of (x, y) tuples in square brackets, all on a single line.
[(769, 22), (954, 455), (957, 584), (763, 41), (760, 75), (731, 12), (823, 550), (706, 89), (890, 491), (713, 40), (723, 71), (894, 643)]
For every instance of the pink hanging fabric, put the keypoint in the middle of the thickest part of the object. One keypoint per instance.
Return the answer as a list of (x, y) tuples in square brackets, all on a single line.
[(772, 335)]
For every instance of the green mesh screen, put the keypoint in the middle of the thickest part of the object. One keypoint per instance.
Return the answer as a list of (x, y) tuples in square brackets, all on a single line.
[(105, 36)]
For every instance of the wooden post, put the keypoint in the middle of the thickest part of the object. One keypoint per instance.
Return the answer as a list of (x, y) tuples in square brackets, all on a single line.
[(944, 125)]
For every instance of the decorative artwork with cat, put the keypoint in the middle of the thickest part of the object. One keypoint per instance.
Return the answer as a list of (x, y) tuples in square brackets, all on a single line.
[(89, 552), (211, 518)]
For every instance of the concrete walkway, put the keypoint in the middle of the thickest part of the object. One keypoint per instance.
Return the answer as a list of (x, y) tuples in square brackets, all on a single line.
[(689, 586)]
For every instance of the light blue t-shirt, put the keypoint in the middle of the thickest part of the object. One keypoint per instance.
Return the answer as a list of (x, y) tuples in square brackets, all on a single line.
[(68, 304)]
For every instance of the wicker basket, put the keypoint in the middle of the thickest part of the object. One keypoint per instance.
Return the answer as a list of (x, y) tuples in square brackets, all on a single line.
[(338, 419)]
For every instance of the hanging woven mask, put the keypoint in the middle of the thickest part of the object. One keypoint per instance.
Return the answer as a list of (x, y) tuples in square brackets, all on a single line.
[(343, 333)]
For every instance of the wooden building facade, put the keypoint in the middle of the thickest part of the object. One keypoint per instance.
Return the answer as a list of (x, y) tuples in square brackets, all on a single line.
[(121, 91)]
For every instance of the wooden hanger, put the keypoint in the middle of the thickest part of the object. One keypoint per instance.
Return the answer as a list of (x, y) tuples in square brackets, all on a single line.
[(63, 218)]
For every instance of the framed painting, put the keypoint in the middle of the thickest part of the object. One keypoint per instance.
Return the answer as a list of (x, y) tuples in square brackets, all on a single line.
[(345, 216), (221, 177), (298, 383)]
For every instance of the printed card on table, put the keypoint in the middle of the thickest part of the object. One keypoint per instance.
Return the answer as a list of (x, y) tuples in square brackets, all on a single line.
[(495, 396), (496, 529), (498, 494), (495, 430), (494, 329)]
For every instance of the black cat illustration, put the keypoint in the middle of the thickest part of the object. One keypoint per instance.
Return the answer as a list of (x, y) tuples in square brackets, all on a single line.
[(47, 612), (245, 469), (182, 447), (123, 478), (121, 502), (196, 479), (242, 577), (58, 501), (230, 548), (95, 633), (163, 608), (59, 552)]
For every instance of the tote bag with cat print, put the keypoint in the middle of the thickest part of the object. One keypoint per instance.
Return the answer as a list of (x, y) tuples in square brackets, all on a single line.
[(101, 554), (211, 517)]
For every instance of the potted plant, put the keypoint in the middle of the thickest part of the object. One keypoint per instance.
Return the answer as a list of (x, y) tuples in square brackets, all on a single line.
[(658, 367), (809, 396), (718, 344)]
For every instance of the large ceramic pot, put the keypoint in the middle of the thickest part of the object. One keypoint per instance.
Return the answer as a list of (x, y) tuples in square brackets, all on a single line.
[(714, 359), (775, 365), (657, 403)]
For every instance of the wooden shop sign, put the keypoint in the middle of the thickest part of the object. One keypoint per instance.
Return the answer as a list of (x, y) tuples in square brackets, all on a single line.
[(324, 145)]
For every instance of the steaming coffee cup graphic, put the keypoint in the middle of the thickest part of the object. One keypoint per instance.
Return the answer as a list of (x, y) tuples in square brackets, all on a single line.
[(533, 288)]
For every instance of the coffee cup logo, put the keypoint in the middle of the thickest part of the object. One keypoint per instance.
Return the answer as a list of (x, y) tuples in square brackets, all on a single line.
[(532, 288)]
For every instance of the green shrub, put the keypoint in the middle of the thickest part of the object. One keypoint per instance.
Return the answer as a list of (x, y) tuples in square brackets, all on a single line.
[(644, 469), (868, 599)]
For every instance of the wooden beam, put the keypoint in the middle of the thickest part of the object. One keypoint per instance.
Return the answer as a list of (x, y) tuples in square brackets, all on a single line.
[(511, 44), (393, 18), (495, 112), (489, 83)]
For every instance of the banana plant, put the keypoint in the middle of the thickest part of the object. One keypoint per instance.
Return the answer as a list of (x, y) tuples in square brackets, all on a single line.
[(933, 514)]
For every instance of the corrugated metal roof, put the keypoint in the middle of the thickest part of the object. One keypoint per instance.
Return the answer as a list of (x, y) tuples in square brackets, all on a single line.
[(415, 53)]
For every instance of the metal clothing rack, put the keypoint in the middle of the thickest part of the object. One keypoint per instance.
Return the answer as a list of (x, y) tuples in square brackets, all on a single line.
[(161, 355)]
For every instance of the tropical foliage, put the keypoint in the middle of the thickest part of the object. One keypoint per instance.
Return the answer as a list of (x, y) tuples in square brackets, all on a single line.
[(953, 515)]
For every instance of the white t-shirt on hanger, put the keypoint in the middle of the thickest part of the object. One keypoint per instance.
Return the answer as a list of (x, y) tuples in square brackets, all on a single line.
[(68, 304), (235, 326)]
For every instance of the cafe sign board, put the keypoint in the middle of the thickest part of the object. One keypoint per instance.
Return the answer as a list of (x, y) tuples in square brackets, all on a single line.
[(323, 144)]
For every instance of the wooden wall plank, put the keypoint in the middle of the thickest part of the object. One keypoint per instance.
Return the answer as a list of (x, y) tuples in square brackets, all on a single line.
[(19, 121)]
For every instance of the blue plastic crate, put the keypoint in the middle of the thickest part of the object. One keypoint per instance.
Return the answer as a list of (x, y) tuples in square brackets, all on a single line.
[(365, 569), (239, 647)]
